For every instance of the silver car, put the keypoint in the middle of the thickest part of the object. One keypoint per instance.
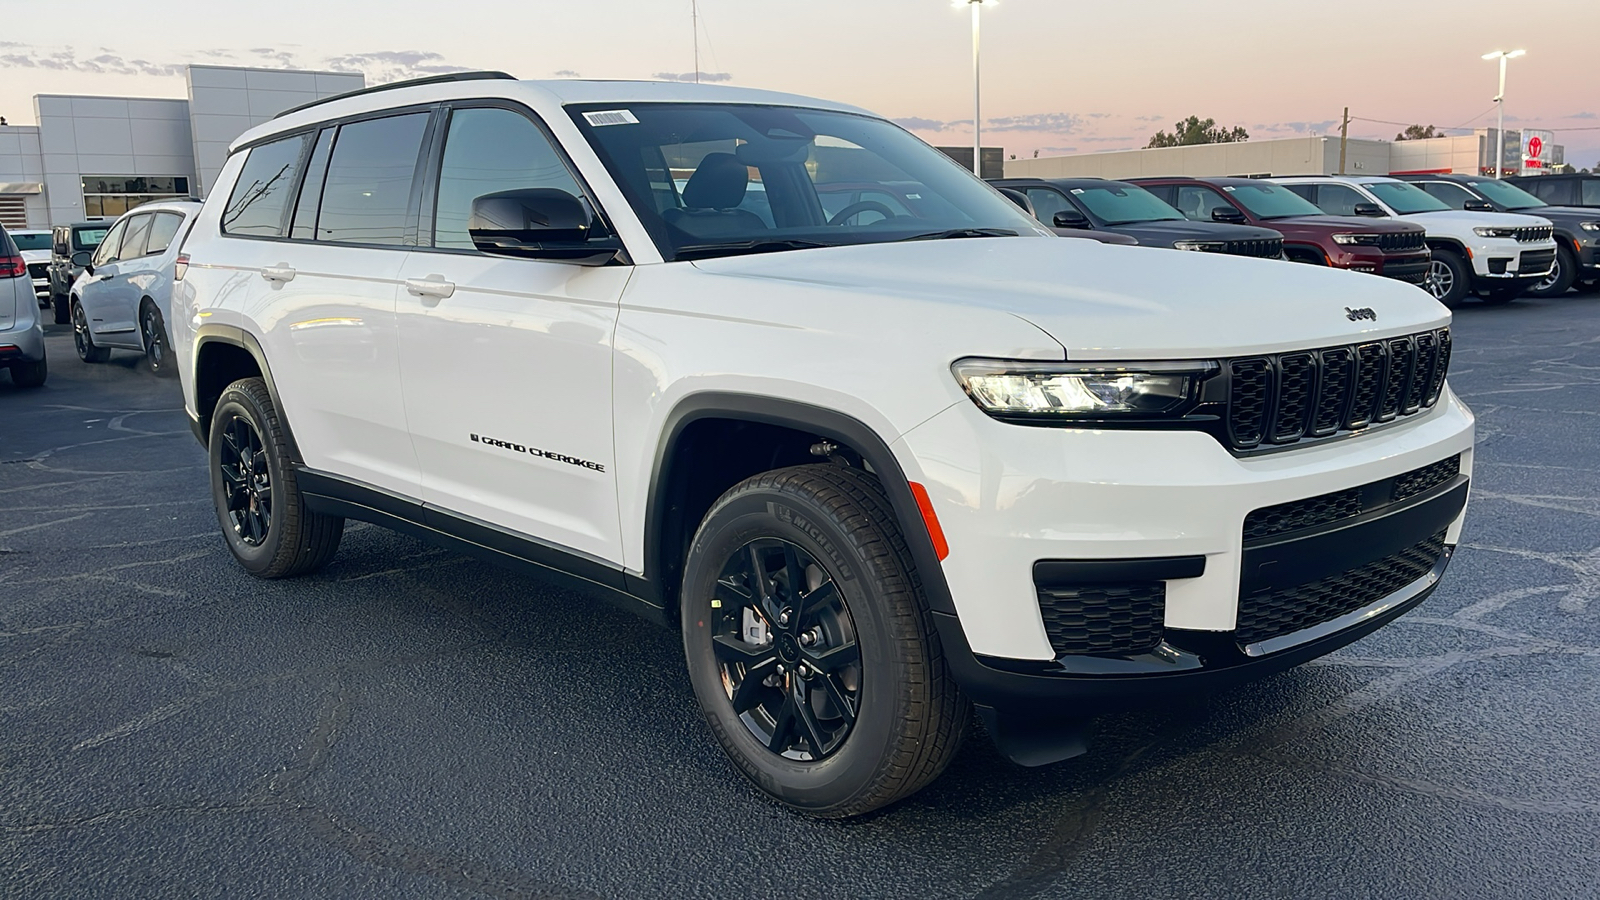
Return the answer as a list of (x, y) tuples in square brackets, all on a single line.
[(21, 333), (123, 299)]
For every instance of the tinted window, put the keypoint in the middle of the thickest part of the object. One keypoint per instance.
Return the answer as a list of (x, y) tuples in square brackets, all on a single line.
[(1197, 202), (133, 242), (367, 193), (1270, 201), (1046, 203), (1339, 199), (257, 203), (107, 250), (1124, 204), (1405, 198), (487, 151), (1453, 194), (31, 241), (162, 231), (1507, 195), (305, 210), (1591, 192)]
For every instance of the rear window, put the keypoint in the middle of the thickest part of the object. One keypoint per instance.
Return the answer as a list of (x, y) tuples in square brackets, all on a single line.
[(31, 241), (88, 238), (257, 203)]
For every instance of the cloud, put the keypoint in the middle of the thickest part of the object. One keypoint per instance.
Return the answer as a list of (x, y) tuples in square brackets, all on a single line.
[(1583, 115), (382, 66), (917, 123), (567, 73), (68, 61), (1054, 123), (379, 66), (1150, 119), (689, 76)]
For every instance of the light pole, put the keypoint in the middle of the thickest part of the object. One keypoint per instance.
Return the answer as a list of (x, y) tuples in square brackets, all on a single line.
[(1500, 104), (977, 94)]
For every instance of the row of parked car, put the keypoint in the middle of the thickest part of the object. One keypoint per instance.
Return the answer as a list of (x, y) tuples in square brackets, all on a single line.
[(1456, 235)]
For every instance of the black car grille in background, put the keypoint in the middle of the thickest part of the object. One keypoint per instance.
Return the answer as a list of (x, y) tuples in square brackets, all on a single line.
[(1290, 397), (1114, 619), (1401, 242), (38, 270), (1276, 613), (1324, 509), (1267, 248), (1535, 262), (1535, 233)]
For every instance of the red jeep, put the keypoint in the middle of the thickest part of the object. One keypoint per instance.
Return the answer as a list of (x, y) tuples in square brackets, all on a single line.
[(1382, 247)]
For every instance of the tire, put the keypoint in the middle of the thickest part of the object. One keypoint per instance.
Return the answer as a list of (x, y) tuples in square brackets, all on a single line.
[(868, 625), (1561, 278), (263, 516), (30, 375), (83, 340), (61, 304), (157, 348), (1449, 279)]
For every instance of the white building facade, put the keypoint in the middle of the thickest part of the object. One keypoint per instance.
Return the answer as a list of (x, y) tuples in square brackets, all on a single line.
[(97, 157)]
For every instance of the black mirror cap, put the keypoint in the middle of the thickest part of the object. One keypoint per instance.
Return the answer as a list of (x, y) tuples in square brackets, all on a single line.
[(1478, 206), (1227, 214), (538, 223), (1370, 210), (82, 258), (1020, 199), (1070, 218)]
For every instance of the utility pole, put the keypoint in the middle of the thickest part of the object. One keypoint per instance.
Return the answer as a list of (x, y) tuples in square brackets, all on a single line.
[(694, 20), (1344, 137), (977, 112)]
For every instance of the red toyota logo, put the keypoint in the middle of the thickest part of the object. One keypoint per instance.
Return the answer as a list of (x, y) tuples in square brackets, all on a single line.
[(1535, 146)]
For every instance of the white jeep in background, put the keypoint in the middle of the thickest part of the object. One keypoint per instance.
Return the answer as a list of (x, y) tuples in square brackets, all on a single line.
[(881, 464), (1500, 255)]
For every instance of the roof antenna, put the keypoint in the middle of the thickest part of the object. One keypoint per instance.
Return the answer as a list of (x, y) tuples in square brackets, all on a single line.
[(694, 19)]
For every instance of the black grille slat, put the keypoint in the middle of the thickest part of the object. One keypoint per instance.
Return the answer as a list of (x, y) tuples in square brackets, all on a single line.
[(1370, 365), (1250, 393), (1536, 261), (1422, 377), (1436, 386), (1297, 380), (1535, 233), (38, 270), (1265, 248), (1104, 619), (1400, 242), (1323, 509), (1335, 393), (1276, 613), (1402, 361), (1418, 481)]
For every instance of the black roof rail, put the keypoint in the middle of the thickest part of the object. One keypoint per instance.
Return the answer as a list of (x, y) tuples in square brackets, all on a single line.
[(414, 82)]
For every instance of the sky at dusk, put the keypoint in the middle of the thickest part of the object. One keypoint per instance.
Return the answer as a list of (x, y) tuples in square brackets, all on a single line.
[(1059, 77)]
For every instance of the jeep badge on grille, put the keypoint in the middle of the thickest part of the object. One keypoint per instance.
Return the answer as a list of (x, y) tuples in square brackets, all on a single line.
[(1365, 312)]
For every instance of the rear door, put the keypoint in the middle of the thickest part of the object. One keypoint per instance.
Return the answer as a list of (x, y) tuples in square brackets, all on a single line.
[(506, 362), (95, 291)]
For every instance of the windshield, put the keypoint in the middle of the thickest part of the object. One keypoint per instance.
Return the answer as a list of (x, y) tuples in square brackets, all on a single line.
[(1404, 198), (31, 241), (88, 238), (716, 179), (1507, 195), (1116, 203), (1268, 201)]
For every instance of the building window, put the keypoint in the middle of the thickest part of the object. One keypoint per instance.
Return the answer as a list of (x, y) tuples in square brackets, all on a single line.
[(113, 195)]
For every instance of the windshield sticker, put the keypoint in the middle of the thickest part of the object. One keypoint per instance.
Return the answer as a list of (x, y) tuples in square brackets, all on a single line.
[(1077, 190), (610, 117), (1230, 188)]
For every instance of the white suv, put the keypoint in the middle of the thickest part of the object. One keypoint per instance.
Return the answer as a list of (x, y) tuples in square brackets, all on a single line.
[(1498, 254), (876, 467)]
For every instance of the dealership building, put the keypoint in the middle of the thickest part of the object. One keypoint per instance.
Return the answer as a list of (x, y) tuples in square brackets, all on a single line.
[(1471, 154), (94, 157)]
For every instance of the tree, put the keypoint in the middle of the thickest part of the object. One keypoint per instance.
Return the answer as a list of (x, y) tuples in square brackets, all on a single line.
[(1418, 133), (1195, 130)]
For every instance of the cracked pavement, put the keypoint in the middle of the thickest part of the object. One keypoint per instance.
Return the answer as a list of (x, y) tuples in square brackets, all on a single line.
[(412, 723)]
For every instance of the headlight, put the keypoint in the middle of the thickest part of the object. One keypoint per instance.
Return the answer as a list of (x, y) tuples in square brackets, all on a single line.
[(1061, 391), (1357, 238), (1590, 226), (1202, 246), (1490, 231)]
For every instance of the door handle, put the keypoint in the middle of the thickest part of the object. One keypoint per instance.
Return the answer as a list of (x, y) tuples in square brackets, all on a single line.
[(432, 286), (279, 273)]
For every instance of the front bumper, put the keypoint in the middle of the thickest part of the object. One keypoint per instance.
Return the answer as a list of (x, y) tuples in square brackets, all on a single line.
[(1499, 261)]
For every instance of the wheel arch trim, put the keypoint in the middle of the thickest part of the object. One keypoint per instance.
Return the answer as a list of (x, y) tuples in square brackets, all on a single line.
[(234, 336)]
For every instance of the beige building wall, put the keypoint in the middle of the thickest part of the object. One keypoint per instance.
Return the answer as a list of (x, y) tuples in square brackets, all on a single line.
[(1446, 154), (1290, 156)]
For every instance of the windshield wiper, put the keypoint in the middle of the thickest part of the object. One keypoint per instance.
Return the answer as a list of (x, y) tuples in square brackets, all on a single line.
[(736, 248), (961, 233)]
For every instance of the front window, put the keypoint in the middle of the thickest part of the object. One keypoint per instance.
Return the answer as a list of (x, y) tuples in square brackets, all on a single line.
[(113, 195), (716, 179), (1507, 195), (1124, 204), (1591, 192), (31, 241), (1269, 201), (1404, 198), (1453, 194)]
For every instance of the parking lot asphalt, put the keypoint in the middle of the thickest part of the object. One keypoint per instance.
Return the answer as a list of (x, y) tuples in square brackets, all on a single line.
[(412, 723)]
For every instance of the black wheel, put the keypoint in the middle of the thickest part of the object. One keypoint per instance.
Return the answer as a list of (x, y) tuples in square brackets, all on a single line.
[(29, 375), (810, 645), (61, 304), (83, 340), (157, 349), (1448, 279), (1561, 278), (258, 502)]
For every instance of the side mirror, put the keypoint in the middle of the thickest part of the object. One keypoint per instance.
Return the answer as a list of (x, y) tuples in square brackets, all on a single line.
[(1478, 206), (1070, 218), (82, 258), (1020, 199), (538, 223), (1370, 210), (1227, 214)]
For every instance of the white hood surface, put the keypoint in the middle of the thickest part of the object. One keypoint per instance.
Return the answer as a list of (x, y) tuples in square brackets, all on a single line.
[(1106, 302), (1462, 219)]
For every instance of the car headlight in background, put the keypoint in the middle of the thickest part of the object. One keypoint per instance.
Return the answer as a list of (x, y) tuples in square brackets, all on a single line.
[(1370, 239), (1590, 226), (1061, 391), (1202, 246), (1494, 231)]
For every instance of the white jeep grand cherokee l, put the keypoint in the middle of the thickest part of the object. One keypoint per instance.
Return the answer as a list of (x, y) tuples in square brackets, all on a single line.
[(880, 465)]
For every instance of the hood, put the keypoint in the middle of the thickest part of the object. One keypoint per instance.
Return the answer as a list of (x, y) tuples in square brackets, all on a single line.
[(1341, 224), (1570, 216), (1166, 233), (1460, 218), (1104, 302), (36, 256)]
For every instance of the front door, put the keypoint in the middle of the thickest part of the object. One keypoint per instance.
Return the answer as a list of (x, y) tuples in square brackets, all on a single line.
[(506, 363)]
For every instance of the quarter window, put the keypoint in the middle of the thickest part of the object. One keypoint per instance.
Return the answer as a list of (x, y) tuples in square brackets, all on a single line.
[(257, 203), (305, 210), (366, 196), (487, 151), (1046, 203), (1591, 192)]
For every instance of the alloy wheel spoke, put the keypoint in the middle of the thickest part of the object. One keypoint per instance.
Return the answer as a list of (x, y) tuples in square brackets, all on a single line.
[(783, 727), (732, 650), (797, 586), (749, 690), (836, 658), (841, 702), (820, 599), (807, 721)]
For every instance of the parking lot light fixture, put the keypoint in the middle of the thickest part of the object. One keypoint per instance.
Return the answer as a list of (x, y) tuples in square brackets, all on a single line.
[(977, 103), (1500, 105)]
